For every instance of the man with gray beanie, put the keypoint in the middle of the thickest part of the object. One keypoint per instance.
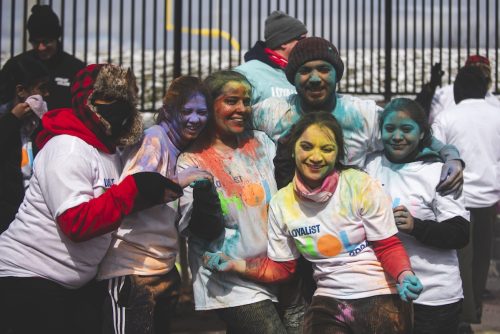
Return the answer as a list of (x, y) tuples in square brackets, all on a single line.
[(265, 61), (315, 68), (44, 33)]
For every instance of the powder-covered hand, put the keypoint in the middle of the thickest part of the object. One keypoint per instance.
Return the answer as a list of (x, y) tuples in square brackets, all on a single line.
[(409, 286), (221, 262)]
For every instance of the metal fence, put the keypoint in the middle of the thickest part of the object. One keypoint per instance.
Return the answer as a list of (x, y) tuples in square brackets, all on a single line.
[(388, 46)]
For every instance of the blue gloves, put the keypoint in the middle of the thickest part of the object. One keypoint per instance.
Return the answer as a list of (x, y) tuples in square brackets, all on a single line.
[(410, 288)]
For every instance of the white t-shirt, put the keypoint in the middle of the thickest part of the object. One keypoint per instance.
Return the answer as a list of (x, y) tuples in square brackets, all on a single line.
[(443, 99), (414, 186), (334, 236), (67, 172), (244, 179), (473, 127), (358, 119), (146, 243)]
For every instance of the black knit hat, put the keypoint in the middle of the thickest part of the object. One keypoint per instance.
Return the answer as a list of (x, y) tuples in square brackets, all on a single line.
[(281, 28), (313, 48), (43, 23)]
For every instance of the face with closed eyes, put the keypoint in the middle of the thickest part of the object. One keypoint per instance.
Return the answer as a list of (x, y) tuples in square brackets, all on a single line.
[(315, 154), (400, 136), (232, 109)]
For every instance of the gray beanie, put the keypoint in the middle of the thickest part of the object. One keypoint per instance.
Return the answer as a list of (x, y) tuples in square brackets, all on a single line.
[(281, 28)]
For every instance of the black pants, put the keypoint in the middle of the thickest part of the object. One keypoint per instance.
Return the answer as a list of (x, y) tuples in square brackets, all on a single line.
[(36, 305), (436, 319), (474, 260)]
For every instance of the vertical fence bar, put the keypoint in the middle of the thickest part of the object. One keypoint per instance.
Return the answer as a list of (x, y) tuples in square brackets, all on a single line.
[(468, 28), (25, 17), (120, 33), (406, 45), (487, 10), (397, 45), (313, 16), (143, 54), (63, 16), (372, 28), (347, 37), (450, 37), (331, 25), (459, 36), (86, 31), (414, 45), (240, 15), (229, 46), (355, 45), (210, 26), (97, 30), (259, 19), (220, 35), (363, 27), (155, 32), (190, 35), (199, 37), (441, 43), (423, 45), (388, 48), (496, 46), (339, 37), (73, 44), (432, 31), (12, 27), (178, 38), (132, 35), (249, 43), (478, 26), (1, 31), (305, 14), (379, 44), (296, 7), (110, 27), (165, 47)]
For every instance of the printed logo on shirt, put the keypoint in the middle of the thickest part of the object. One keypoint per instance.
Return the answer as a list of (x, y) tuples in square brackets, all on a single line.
[(327, 245), (108, 182), (281, 92), (62, 81)]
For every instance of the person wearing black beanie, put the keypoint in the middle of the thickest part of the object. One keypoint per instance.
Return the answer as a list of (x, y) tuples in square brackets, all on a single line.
[(45, 32)]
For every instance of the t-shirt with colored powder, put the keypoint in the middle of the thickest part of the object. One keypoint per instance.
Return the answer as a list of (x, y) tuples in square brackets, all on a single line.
[(146, 243), (244, 179), (414, 186), (358, 119), (334, 235)]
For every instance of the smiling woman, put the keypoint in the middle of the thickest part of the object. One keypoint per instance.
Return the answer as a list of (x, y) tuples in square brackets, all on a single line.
[(240, 161), (339, 219)]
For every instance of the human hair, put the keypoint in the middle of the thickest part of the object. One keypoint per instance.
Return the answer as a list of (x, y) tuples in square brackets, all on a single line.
[(23, 71), (177, 95), (216, 81), (324, 120), (470, 83), (416, 113)]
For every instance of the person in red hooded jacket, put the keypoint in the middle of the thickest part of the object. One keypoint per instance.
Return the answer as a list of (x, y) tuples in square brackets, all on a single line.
[(53, 247)]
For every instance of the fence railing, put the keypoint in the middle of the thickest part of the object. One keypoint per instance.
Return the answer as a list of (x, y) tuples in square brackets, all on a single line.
[(388, 46)]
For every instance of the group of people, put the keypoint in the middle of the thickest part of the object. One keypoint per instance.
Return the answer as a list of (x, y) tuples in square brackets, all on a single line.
[(305, 211)]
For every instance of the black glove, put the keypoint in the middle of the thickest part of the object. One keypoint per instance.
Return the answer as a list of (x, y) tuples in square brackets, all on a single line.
[(206, 219), (436, 75), (284, 164), (152, 186)]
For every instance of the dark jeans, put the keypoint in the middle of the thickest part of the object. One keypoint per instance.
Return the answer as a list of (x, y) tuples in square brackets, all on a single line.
[(36, 305), (257, 318), (474, 260), (385, 314), (141, 304), (437, 319)]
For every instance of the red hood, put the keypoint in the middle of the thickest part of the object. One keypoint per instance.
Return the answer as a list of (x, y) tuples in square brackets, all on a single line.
[(65, 122)]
